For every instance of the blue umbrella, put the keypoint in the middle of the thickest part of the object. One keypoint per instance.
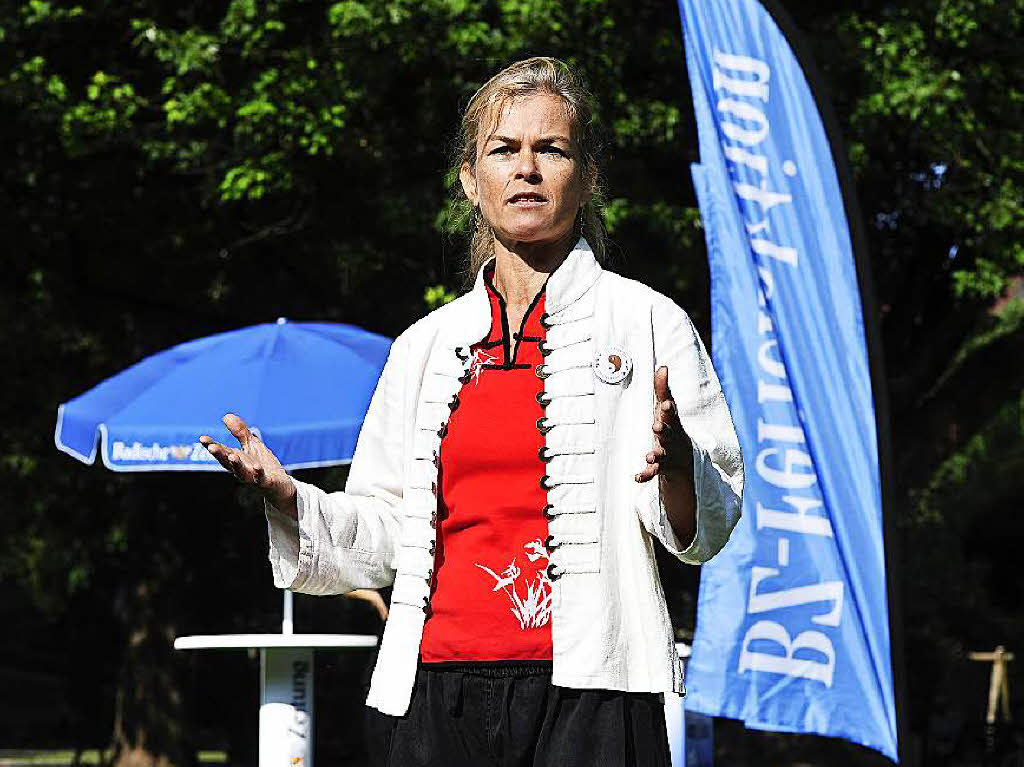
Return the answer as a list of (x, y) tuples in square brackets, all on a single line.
[(304, 386)]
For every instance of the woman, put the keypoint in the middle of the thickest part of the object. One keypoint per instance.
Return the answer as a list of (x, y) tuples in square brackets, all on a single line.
[(522, 451)]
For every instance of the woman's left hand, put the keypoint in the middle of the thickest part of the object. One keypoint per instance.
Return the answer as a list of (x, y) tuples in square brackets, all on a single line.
[(671, 455)]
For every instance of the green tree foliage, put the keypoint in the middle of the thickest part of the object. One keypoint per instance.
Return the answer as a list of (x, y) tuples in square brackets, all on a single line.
[(933, 98), (177, 169)]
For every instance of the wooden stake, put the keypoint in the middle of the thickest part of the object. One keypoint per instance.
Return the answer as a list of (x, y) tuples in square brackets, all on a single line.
[(999, 685)]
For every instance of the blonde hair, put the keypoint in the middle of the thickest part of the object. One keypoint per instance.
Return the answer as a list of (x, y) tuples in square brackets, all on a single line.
[(539, 74)]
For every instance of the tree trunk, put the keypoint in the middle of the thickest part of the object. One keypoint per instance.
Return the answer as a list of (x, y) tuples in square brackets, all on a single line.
[(150, 720)]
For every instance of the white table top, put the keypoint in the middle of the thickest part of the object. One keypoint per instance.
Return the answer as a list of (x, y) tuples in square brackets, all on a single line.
[(244, 641)]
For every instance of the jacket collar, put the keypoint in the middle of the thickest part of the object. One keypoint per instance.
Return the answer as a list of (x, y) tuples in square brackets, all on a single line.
[(567, 284)]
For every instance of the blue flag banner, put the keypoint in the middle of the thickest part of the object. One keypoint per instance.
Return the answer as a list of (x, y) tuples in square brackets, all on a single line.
[(792, 623)]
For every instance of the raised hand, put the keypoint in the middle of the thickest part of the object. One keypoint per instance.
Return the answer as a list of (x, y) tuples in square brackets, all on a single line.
[(671, 460), (254, 464), (671, 453)]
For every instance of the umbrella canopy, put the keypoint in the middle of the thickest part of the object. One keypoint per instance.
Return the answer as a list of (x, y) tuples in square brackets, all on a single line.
[(303, 386)]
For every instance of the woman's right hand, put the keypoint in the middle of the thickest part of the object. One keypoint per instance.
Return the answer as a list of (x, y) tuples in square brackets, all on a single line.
[(254, 464)]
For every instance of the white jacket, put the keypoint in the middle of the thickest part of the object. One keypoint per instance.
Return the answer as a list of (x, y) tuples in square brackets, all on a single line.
[(610, 627)]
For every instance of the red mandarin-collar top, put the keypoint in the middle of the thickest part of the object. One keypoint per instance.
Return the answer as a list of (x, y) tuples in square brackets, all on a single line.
[(490, 596)]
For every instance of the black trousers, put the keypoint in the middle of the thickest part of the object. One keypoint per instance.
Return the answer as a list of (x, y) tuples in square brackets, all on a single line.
[(515, 717)]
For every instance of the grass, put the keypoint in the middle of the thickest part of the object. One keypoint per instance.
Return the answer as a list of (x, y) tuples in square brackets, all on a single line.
[(63, 757)]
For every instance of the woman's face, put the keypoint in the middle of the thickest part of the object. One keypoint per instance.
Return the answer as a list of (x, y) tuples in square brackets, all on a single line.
[(527, 181)]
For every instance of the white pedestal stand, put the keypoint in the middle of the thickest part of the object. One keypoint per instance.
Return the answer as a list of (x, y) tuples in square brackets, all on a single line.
[(675, 718), (286, 684), (683, 725)]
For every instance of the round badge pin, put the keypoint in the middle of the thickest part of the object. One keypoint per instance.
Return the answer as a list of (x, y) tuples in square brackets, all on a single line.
[(612, 365)]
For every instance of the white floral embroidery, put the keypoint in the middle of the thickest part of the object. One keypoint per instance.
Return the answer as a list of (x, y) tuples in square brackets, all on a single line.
[(477, 361), (534, 609)]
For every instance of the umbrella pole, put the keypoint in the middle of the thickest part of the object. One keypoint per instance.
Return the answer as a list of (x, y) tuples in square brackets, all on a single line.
[(287, 627)]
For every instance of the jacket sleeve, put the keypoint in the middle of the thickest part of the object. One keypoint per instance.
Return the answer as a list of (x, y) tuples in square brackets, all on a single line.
[(346, 540), (704, 415)]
